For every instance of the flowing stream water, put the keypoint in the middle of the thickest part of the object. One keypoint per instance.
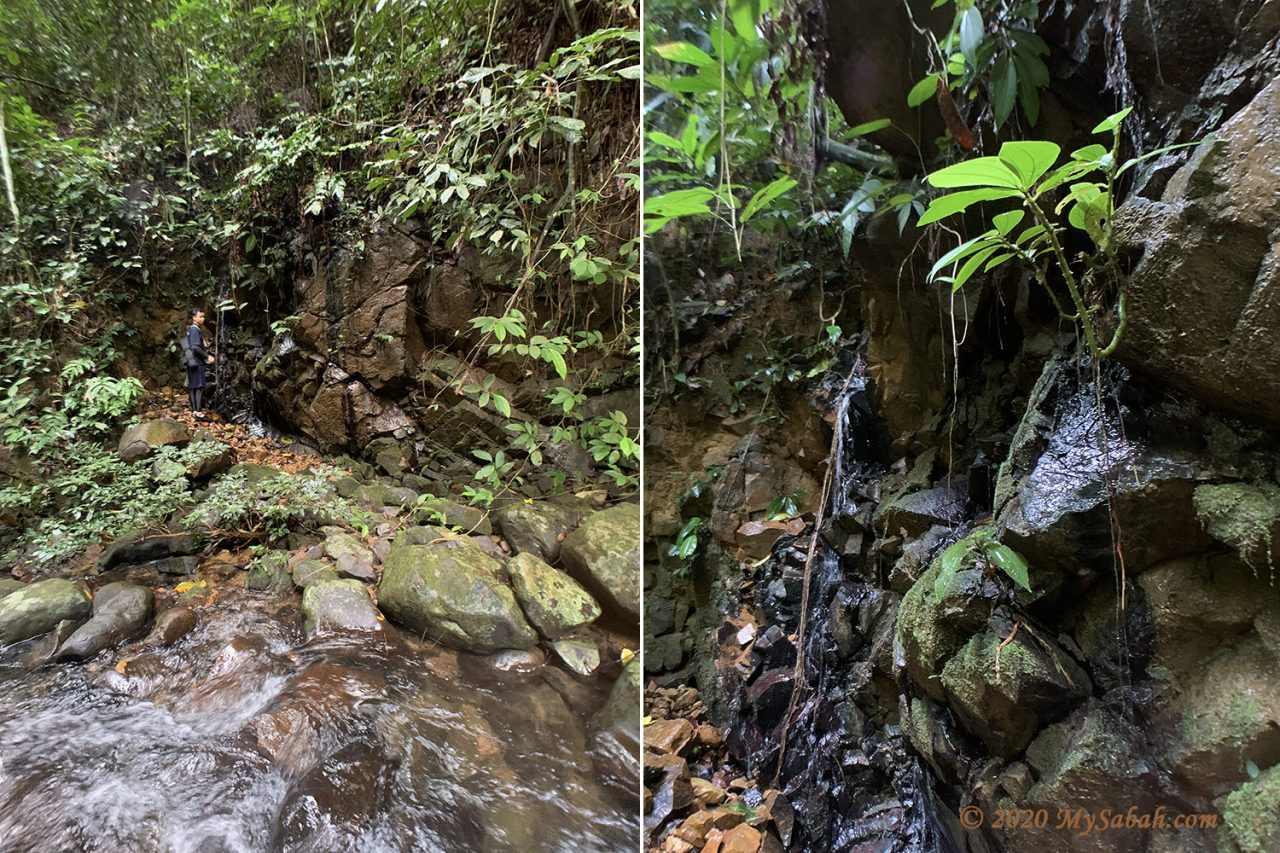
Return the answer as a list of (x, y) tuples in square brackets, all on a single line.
[(244, 737)]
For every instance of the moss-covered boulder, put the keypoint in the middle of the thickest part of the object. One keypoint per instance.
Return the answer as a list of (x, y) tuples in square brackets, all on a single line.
[(934, 621), (140, 440), (1251, 818), (451, 591), (308, 572), (270, 573), (378, 495), (604, 555), (9, 585), (253, 473), (469, 518), (1222, 716), (537, 527), (339, 606), (1004, 693), (38, 608), (554, 603), (353, 558)]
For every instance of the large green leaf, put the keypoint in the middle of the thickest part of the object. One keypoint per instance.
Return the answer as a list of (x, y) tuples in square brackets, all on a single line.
[(971, 32), (1004, 89), (1005, 222), (1011, 563), (679, 203), (922, 91), (949, 563), (965, 249), (978, 172), (953, 203), (682, 51), (1030, 159), (766, 195), (970, 266)]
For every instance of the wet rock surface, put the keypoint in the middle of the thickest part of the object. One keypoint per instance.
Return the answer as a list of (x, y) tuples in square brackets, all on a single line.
[(37, 608), (604, 555), (121, 611)]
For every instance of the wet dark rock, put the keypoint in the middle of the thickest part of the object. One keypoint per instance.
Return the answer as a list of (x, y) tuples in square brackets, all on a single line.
[(39, 607), (523, 661), (536, 527), (1116, 643), (172, 625), (292, 732), (916, 512), (45, 650), (1207, 251), (554, 603), (453, 592), (338, 607), (604, 555), (934, 736), (141, 547), (770, 694), (175, 565), (333, 805), (138, 442), (1052, 494), (615, 728), (270, 573), (121, 611)]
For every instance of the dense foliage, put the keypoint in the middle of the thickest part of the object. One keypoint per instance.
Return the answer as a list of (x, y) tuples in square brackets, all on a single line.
[(165, 153)]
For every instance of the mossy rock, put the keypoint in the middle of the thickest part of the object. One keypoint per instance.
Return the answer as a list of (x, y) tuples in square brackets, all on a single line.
[(453, 592), (554, 603), (140, 440), (536, 527), (38, 608), (604, 555), (1251, 817), (1245, 516), (934, 623), (313, 571), (338, 607), (1006, 708), (378, 495), (469, 518), (9, 585), (253, 473), (270, 573)]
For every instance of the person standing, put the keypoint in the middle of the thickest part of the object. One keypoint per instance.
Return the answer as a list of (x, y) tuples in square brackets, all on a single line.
[(196, 366)]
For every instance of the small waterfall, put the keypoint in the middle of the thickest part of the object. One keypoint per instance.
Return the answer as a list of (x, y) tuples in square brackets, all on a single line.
[(835, 749)]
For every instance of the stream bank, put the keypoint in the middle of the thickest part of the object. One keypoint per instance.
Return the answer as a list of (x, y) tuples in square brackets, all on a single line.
[(216, 686)]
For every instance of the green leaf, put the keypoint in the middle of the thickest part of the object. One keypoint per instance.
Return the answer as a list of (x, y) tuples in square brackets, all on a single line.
[(1011, 563), (1111, 122), (679, 203), (1029, 160), (502, 405), (948, 564), (766, 195), (657, 137), (1004, 89), (948, 205), (922, 91), (1005, 222), (978, 172), (963, 250), (744, 14), (557, 361), (870, 127), (682, 51), (1136, 160), (970, 267), (971, 32)]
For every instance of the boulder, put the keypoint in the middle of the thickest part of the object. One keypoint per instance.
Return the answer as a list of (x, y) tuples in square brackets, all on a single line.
[(254, 473), (140, 440), (270, 573), (354, 559), (554, 603), (8, 585), (141, 547), (39, 607), (449, 514), (378, 495), (1051, 496), (604, 555), (1092, 761), (121, 610), (453, 592), (1251, 816), (537, 527), (172, 625), (1006, 701), (338, 607), (1208, 250), (313, 571)]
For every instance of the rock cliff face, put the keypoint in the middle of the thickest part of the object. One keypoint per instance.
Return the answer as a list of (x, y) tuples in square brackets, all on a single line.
[(1137, 670)]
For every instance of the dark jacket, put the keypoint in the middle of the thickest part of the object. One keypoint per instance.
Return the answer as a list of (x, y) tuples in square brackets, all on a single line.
[(195, 340)]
